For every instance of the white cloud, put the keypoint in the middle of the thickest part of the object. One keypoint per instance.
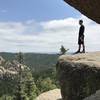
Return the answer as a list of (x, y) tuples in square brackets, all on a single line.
[(31, 36)]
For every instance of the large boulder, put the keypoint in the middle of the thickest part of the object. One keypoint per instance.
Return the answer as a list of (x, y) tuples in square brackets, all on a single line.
[(79, 75), (90, 8), (50, 95)]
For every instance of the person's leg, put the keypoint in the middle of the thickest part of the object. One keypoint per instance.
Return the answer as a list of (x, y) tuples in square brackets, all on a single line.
[(83, 48), (79, 45), (79, 48), (83, 45)]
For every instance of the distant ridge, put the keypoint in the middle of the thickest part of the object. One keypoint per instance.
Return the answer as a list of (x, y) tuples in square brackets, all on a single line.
[(36, 61)]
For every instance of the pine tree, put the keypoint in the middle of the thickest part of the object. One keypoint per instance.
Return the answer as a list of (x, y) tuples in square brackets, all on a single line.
[(20, 94), (62, 50), (30, 86), (26, 88)]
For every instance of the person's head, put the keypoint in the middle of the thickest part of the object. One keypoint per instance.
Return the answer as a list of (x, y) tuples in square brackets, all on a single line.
[(80, 22)]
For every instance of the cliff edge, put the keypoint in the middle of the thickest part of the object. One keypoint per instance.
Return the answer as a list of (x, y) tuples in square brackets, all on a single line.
[(79, 75)]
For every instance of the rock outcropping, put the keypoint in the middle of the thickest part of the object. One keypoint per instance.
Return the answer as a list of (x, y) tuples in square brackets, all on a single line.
[(79, 75), (50, 95), (90, 8), (9, 69)]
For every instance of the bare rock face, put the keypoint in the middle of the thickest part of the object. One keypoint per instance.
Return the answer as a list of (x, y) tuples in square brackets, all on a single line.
[(50, 95), (9, 69), (95, 96), (79, 75), (90, 8)]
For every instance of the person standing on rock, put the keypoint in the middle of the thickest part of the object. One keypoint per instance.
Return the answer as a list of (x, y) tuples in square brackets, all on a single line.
[(81, 37)]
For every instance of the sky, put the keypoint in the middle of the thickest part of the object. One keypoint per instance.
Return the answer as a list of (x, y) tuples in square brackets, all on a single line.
[(42, 26)]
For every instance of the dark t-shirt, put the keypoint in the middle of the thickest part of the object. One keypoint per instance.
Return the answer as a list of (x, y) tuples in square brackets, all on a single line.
[(81, 30)]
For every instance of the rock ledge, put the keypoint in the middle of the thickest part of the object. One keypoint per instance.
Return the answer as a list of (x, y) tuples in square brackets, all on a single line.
[(79, 75)]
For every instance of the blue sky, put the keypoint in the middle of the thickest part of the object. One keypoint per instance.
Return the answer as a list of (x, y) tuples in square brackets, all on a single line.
[(43, 26), (39, 10)]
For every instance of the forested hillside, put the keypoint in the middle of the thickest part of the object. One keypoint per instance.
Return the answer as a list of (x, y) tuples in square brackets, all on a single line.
[(36, 62), (25, 76)]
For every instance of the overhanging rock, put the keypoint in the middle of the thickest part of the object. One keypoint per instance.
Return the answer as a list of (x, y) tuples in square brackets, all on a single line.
[(90, 8)]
